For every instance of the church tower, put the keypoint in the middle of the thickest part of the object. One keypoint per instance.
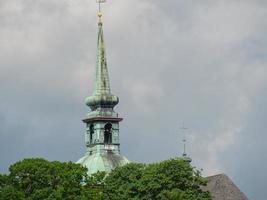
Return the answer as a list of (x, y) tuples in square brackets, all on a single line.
[(102, 123)]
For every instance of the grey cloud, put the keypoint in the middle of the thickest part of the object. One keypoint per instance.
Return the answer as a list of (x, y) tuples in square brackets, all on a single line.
[(172, 61)]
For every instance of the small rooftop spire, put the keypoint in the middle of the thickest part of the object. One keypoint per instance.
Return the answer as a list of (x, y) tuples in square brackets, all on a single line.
[(183, 128), (185, 157), (184, 153)]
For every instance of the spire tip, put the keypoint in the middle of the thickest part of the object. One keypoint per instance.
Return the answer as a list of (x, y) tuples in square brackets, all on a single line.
[(100, 13)]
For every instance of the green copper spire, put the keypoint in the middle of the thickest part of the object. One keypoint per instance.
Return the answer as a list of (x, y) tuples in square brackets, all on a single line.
[(102, 123), (102, 97), (102, 85)]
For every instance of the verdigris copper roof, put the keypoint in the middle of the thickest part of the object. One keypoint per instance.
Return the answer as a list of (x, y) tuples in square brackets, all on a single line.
[(102, 97), (223, 188), (102, 122), (102, 162)]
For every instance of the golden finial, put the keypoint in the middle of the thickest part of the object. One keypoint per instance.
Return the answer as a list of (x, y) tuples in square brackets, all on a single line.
[(100, 13)]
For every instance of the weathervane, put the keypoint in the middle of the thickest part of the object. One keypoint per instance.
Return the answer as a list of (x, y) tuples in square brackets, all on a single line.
[(100, 13)]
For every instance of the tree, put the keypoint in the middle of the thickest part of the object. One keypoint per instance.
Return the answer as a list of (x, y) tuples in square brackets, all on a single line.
[(171, 179), (35, 179), (174, 194), (124, 182), (94, 187)]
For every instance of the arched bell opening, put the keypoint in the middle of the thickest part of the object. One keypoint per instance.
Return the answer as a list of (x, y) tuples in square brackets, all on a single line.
[(91, 132), (108, 133)]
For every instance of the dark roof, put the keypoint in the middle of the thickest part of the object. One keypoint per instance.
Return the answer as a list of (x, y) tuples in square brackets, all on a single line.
[(223, 188)]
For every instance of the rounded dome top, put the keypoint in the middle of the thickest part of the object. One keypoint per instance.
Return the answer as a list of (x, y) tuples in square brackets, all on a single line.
[(102, 162), (104, 101)]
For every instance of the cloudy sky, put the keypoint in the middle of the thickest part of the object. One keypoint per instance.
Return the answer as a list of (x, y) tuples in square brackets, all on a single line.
[(202, 62)]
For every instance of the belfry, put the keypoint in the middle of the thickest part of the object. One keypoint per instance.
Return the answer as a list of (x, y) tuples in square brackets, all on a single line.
[(102, 123)]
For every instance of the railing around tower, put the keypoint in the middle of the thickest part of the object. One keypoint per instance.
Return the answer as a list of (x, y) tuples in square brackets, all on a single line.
[(109, 147)]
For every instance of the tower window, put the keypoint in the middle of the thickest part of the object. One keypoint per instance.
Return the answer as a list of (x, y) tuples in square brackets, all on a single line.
[(91, 133), (108, 134)]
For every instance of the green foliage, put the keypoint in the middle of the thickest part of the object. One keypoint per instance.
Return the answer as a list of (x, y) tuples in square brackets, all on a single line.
[(10, 193), (4, 181), (35, 179), (171, 179), (124, 182), (174, 194), (94, 187), (38, 179)]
